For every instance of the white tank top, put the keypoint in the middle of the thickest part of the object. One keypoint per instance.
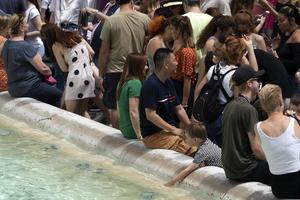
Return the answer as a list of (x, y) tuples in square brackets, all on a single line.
[(282, 152)]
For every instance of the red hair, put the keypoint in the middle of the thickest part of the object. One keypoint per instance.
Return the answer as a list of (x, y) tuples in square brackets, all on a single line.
[(157, 25)]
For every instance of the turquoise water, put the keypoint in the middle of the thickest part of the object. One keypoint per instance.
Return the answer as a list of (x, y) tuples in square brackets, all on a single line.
[(35, 165)]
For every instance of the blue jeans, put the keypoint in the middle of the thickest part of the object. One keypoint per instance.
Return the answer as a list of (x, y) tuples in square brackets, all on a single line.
[(45, 93)]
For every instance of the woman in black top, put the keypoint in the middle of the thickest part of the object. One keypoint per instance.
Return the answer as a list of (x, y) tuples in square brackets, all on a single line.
[(289, 47)]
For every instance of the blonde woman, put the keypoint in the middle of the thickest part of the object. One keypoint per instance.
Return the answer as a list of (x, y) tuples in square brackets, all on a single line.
[(24, 66), (280, 140)]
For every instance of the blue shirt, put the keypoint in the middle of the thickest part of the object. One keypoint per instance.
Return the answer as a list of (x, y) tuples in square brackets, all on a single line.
[(161, 97), (22, 76)]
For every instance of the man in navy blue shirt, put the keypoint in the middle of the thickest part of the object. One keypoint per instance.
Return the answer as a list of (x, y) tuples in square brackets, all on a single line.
[(160, 108)]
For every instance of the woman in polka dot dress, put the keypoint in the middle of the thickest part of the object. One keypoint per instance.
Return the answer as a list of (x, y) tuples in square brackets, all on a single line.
[(73, 55)]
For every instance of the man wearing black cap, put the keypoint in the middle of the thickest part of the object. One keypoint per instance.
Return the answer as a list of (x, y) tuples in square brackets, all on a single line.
[(242, 156)]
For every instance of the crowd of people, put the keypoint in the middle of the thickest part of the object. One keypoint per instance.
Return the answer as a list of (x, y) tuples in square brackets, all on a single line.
[(215, 80)]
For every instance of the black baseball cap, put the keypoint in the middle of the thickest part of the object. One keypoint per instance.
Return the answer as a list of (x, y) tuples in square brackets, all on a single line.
[(244, 73)]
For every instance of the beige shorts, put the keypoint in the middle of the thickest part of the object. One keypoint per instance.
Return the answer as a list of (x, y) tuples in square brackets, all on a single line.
[(167, 140)]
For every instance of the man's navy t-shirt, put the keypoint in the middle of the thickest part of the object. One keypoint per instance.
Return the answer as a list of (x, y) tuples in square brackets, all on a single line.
[(161, 97)]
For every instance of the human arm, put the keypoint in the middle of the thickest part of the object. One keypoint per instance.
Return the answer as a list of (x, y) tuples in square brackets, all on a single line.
[(209, 46), (256, 144), (187, 81), (101, 16), (40, 66), (36, 20), (199, 87), (104, 51), (103, 60), (251, 55), (89, 48), (153, 117), (57, 51), (269, 7), (184, 173), (260, 25), (182, 116), (134, 116)]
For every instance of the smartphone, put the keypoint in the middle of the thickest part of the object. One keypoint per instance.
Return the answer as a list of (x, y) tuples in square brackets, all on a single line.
[(265, 13)]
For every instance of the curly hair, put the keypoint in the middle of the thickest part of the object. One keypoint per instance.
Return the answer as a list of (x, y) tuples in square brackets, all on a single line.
[(232, 50)]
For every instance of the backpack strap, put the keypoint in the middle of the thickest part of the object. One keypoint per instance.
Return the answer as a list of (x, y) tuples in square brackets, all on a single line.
[(216, 72), (226, 95)]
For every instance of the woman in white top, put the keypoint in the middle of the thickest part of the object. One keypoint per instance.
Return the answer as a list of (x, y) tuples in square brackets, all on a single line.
[(280, 141), (35, 25)]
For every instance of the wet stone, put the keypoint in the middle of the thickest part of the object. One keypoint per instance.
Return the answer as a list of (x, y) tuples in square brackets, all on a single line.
[(148, 195), (5, 132), (83, 166), (51, 147), (98, 171)]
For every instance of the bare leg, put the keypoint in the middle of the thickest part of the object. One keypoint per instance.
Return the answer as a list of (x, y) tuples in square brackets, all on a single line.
[(114, 118), (99, 103), (77, 106)]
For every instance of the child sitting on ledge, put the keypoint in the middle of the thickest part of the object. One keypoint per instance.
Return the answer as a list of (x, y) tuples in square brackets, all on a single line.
[(208, 153)]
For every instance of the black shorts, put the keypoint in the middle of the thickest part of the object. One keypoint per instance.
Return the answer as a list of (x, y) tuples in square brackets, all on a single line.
[(286, 186), (111, 81), (260, 173)]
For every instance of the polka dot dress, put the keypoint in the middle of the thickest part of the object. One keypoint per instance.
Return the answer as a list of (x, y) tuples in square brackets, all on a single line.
[(80, 81)]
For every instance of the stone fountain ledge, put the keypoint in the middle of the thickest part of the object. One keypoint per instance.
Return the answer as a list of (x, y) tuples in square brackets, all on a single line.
[(104, 140)]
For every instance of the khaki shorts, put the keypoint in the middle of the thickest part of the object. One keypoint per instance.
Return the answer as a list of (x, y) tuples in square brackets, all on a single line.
[(167, 140)]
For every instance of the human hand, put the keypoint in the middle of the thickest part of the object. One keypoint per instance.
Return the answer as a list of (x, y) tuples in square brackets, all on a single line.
[(178, 132), (100, 84), (275, 42), (170, 183), (89, 27), (88, 10), (247, 40), (262, 19)]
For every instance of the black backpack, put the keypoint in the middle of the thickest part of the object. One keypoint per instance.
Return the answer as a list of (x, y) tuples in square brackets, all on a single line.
[(207, 107)]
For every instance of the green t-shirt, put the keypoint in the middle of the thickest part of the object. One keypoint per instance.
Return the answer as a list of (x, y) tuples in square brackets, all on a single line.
[(239, 118), (130, 89)]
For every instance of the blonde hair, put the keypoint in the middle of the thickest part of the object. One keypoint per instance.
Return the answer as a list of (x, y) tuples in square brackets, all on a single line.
[(270, 97), (5, 21), (15, 23)]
